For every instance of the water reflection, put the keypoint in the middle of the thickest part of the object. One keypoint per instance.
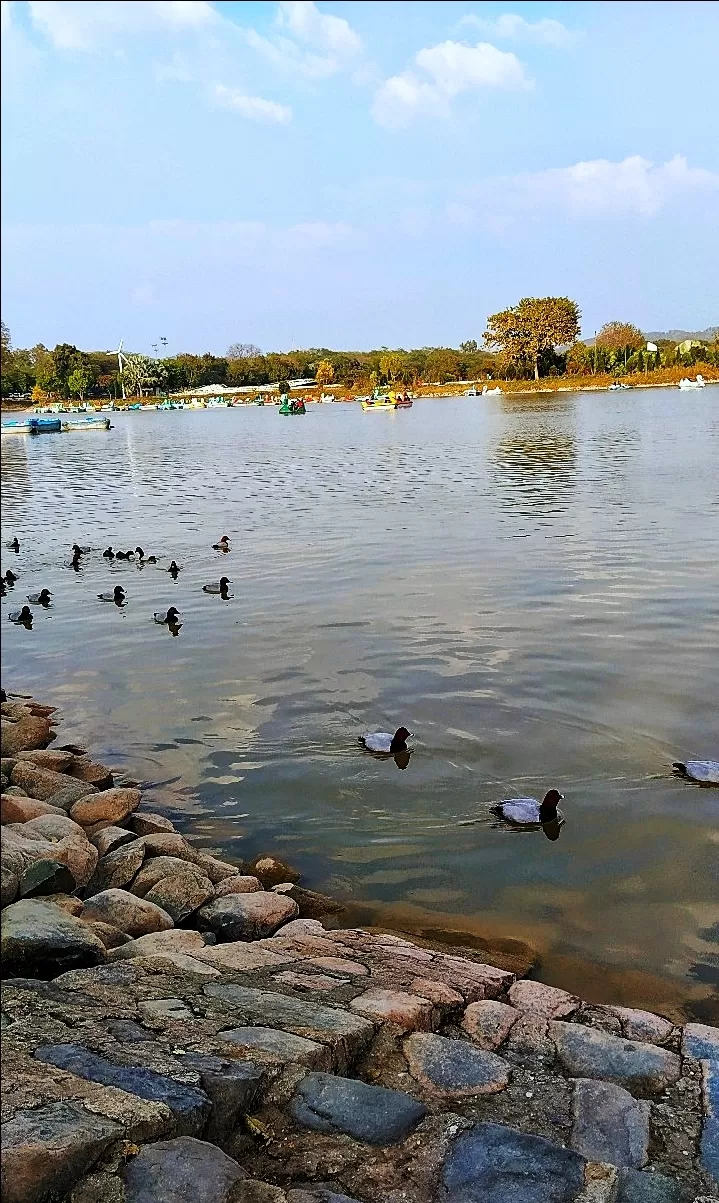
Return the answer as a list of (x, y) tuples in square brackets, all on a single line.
[(402, 759), (536, 472)]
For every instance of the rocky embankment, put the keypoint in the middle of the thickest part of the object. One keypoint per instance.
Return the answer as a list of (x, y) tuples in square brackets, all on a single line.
[(176, 1028)]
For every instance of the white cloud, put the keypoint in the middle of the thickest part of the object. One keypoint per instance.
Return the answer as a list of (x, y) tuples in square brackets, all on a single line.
[(510, 26), (593, 189), (254, 108), (444, 72), (82, 25), (320, 44), (5, 15)]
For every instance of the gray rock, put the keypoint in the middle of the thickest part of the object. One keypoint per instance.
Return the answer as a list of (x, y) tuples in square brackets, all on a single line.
[(38, 782), (232, 1087), (71, 793), (587, 1053), (378, 1116), (609, 1125), (156, 868), (146, 823), (453, 1069), (710, 1129), (9, 884), (180, 896), (278, 1046), (163, 1008), (701, 1042), (182, 1170), (126, 1031), (189, 1105), (46, 877), (635, 1187), (318, 1194), (491, 1162), (46, 1151), (132, 915), (41, 940), (117, 868), (109, 839), (346, 1034), (246, 916)]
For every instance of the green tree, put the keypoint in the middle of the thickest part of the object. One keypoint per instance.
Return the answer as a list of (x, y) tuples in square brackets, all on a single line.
[(579, 360), (142, 373), (79, 381), (325, 373), (391, 365), (5, 343), (469, 347), (531, 329), (64, 359)]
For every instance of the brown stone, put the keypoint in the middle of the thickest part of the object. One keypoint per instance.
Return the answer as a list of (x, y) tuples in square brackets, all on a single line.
[(437, 992), (158, 867), (19, 810), (110, 806), (246, 916), (49, 837), (217, 870), (57, 760), (319, 982), (147, 823), (91, 773), (542, 1002), (66, 902), (271, 871), (38, 782), (311, 905), (180, 895), (406, 1011), (239, 884), (111, 936), (489, 1022), (339, 965), (45, 1151), (26, 735), (158, 943), (131, 914), (241, 955)]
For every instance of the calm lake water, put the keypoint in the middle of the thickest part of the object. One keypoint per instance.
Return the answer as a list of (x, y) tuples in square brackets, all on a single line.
[(531, 586)]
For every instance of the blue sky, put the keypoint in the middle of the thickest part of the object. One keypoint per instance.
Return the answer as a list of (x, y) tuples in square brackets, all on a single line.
[(353, 174)]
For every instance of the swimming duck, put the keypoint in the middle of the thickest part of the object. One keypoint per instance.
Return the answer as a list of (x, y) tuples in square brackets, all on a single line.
[(13, 545), (220, 587), (124, 555), (525, 812), (141, 557), (174, 569), (79, 551), (40, 599), (704, 772), (172, 618), (117, 596), (108, 554), (383, 742), (223, 545), (10, 577), (21, 616)]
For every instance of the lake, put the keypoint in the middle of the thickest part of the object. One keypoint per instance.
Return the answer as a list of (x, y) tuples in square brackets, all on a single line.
[(531, 585)]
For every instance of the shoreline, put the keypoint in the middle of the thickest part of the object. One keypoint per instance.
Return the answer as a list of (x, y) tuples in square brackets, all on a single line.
[(455, 388), (164, 1008)]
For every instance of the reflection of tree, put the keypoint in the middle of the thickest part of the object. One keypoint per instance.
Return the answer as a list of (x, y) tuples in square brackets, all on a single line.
[(539, 469)]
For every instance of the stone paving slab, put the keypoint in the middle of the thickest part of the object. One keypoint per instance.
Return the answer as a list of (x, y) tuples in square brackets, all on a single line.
[(609, 1125), (586, 1053), (369, 1113), (453, 1069), (494, 1164)]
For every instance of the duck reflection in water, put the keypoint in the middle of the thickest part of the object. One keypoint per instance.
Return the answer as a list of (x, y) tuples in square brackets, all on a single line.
[(402, 759), (174, 628)]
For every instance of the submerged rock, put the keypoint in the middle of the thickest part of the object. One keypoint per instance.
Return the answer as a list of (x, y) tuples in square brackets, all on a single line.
[(271, 871)]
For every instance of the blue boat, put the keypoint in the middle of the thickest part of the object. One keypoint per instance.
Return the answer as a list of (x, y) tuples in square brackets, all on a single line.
[(92, 423), (32, 426)]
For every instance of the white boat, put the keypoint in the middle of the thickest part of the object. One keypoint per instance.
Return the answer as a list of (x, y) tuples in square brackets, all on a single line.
[(491, 392), (700, 382), (471, 392), (616, 387)]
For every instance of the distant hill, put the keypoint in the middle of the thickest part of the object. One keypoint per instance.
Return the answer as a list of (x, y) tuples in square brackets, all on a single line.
[(678, 336)]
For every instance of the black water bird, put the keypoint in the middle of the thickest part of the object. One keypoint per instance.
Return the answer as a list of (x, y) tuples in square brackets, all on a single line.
[(528, 812), (218, 587), (383, 743), (117, 596), (171, 617), (13, 545), (21, 617), (40, 599)]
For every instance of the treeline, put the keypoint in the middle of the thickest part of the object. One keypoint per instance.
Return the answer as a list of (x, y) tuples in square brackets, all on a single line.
[(537, 337)]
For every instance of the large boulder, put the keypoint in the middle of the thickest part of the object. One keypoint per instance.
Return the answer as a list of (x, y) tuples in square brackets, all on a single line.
[(180, 895), (132, 915), (30, 732), (109, 806), (118, 868), (157, 867), (176, 1171), (57, 760), (48, 837), (109, 838), (91, 773), (246, 916), (16, 809), (38, 782), (41, 940), (147, 823), (46, 877)]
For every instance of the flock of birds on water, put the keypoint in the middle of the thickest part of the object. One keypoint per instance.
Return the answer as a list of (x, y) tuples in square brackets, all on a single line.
[(171, 618), (519, 813)]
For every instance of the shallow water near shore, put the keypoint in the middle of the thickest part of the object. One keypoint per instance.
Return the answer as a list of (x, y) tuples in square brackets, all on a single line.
[(528, 584)]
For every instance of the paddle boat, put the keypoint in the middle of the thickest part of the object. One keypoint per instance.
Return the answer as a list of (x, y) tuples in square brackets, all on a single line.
[(32, 426), (471, 392), (491, 392), (92, 422), (617, 387), (403, 403), (291, 407), (700, 382)]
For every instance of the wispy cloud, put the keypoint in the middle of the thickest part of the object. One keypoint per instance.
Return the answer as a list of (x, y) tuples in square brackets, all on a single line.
[(596, 188), (5, 15), (309, 42), (510, 26), (254, 108), (80, 25), (441, 73)]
